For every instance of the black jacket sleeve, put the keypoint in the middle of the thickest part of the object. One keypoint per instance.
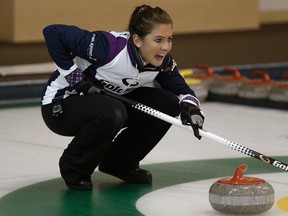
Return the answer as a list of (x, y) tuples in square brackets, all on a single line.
[(65, 42), (170, 79)]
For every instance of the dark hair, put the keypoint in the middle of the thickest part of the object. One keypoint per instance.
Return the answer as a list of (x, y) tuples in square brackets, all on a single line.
[(144, 18)]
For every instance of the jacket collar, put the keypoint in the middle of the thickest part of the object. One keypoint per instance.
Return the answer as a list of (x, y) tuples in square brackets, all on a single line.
[(137, 59)]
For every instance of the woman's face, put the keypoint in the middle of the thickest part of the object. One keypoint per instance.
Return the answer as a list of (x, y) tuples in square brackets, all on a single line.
[(154, 46)]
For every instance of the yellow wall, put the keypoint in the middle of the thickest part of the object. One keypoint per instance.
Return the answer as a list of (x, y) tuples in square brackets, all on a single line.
[(23, 20), (6, 20)]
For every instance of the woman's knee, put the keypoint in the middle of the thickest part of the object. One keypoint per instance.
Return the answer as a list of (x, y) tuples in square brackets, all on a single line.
[(116, 116)]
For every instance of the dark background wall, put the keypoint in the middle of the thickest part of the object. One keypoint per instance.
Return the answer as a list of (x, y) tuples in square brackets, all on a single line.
[(267, 44)]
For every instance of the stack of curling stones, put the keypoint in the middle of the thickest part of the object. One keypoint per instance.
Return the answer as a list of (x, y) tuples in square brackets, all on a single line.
[(196, 85), (241, 195), (228, 85)]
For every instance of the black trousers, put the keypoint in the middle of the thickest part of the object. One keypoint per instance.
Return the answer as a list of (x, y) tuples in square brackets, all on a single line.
[(95, 121)]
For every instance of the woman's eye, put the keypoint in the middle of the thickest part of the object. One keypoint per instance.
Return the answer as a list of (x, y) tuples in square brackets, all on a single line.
[(161, 40), (158, 40)]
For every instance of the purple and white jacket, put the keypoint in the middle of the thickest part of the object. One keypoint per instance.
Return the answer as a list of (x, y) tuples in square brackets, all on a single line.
[(110, 57)]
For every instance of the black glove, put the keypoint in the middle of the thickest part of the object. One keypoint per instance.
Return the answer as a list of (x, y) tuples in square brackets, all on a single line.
[(192, 115), (89, 86)]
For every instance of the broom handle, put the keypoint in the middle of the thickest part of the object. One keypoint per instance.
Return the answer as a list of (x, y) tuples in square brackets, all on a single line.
[(203, 133)]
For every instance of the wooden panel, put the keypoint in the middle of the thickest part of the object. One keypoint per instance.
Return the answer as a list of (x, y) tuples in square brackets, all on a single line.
[(6, 20), (273, 12), (274, 17), (212, 16), (31, 16)]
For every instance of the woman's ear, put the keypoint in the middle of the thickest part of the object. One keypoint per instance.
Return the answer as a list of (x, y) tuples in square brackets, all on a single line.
[(136, 40)]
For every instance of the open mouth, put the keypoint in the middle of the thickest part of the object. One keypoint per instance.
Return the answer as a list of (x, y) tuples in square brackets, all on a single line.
[(159, 57)]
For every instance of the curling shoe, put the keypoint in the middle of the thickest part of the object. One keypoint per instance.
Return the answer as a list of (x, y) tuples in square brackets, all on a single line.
[(78, 183), (135, 176)]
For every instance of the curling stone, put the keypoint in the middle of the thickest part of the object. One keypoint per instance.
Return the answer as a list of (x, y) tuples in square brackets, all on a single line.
[(241, 195), (257, 88), (205, 74), (196, 85), (227, 85), (279, 93)]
